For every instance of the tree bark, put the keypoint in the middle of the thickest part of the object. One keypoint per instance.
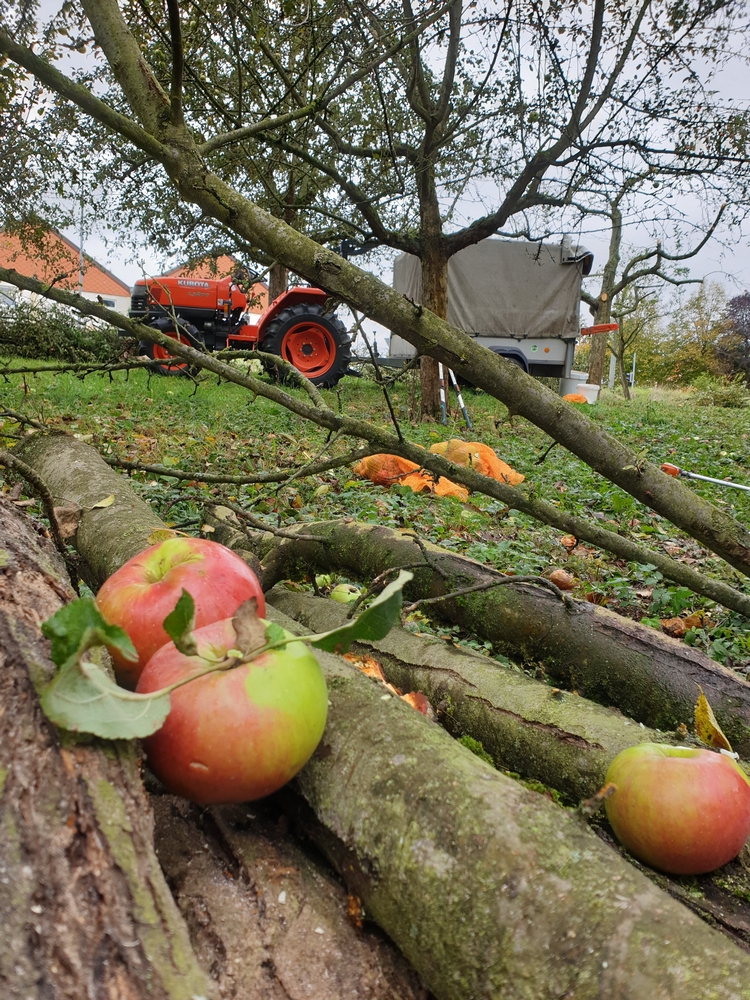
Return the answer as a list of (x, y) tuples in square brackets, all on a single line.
[(85, 910), (487, 888), (606, 657), (560, 741)]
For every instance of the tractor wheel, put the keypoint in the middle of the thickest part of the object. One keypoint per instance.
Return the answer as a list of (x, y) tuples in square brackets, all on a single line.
[(318, 346), (158, 354)]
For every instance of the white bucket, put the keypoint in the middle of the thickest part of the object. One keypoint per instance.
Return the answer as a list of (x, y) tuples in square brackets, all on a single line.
[(591, 392)]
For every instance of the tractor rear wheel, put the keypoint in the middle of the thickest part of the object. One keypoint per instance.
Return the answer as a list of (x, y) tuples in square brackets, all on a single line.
[(317, 345), (159, 354)]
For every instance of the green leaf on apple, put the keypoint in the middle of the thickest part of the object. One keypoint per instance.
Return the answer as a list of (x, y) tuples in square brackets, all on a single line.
[(373, 623), (275, 634), (83, 699), (79, 626), (179, 624)]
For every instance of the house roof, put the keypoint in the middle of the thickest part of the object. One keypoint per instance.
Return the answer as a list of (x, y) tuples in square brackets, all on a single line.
[(56, 257)]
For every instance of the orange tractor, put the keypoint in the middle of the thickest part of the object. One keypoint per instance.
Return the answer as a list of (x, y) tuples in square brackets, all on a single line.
[(211, 314)]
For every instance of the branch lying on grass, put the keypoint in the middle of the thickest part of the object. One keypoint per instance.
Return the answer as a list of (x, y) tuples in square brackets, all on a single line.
[(24, 420), (538, 581), (82, 367), (311, 469), (381, 440), (256, 522)]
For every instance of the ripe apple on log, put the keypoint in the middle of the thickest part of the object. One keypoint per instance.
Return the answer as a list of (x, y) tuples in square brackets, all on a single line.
[(240, 733), (140, 594), (684, 811)]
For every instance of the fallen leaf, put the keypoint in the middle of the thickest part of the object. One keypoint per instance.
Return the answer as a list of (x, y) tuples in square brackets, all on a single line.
[(675, 627), (68, 519), (707, 729), (106, 502), (249, 628), (562, 579), (419, 703), (568, 542), (588, 807), (368, 665), (160, 535), (354, 910)]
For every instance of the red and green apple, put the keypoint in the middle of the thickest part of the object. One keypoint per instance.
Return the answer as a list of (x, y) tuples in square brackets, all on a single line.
[(238, 734), (140, 595), (684, 811)]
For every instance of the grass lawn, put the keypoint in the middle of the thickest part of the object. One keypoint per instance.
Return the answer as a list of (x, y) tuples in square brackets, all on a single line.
[(220, 428)]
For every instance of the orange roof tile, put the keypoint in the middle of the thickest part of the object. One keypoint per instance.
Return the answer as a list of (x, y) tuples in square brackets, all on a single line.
[(57, 258)]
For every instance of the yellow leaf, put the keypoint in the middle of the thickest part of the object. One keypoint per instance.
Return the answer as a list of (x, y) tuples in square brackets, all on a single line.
[(707, 728), (206, 529), (106, 502), (160, 535)]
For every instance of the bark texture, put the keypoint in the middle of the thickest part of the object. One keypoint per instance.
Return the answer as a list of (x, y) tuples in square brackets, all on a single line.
[(490, 889), (612, 660), (85, 910), (487, 888), (560, 740), (266, 920)]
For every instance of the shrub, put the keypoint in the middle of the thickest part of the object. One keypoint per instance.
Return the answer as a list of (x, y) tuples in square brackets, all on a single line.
[(715, 391), (29, 330)]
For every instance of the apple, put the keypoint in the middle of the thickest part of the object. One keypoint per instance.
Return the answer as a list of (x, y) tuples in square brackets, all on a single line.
[(681, 810), (140, 595), (237, 734)]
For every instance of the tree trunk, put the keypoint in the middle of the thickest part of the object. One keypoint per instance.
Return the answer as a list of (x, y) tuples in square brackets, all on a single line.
[(488, 889), (86, 913), (559, 741), (611, 659), (603, 312), (278, 278), (434, 286)]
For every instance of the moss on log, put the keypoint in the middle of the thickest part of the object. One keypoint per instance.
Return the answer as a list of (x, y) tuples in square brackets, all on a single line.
[(605, 657), (490, 889), (84, 907)]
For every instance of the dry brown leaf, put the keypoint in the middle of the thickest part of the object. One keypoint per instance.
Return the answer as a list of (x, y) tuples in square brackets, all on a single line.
[(707, 729), (68, 519), (249, 628), (675, 627), (568, 542), (369, 666), (562, 579)]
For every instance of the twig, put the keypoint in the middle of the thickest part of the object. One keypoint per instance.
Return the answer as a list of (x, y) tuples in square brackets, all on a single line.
[(378, 376), (261, 525), (538, 581), (310, 469), (544, 456), (21, 419), (24, 470), (377, 584)]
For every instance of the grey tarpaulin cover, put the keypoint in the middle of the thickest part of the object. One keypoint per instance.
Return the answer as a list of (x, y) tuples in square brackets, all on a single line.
[(508, 288)]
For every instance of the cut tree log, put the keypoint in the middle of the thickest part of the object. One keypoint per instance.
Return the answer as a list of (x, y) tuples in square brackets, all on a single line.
[(610, 659), (487, 888), (85, 910), (559, 740)]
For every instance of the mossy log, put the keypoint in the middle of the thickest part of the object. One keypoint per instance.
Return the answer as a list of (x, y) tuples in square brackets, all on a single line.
[(610, 659), (489, 889), (558, 740), (85, 910)]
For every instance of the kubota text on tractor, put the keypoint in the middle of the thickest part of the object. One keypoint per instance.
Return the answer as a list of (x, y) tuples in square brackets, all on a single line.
[(211, 313)]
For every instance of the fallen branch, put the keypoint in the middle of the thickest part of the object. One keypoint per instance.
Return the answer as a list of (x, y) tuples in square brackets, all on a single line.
[(604, 656)]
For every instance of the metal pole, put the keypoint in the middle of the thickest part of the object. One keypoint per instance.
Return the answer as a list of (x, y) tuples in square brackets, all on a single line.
[(612, 370), (632, 374), (443, 408), (454, 380)]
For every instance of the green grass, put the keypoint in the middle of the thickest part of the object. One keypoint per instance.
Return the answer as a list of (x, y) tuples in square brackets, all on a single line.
[(221, 428)]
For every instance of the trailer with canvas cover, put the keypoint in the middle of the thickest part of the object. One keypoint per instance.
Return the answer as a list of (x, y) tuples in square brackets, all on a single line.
[(519, 299)]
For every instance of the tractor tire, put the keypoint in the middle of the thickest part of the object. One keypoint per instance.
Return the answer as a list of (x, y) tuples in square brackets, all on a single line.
[(317, 345), (158, 354)]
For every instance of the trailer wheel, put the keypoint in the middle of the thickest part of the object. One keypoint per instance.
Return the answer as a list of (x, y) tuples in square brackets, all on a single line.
[(158, 354), (317, 345)]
